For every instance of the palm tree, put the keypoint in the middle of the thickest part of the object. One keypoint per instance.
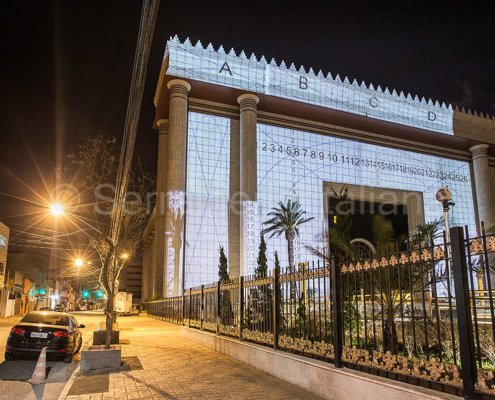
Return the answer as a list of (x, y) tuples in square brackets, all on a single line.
[(339, 236), (286, 219), (427, 232)]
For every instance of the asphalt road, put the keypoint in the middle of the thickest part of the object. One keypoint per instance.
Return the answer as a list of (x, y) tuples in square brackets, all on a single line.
[(13, 374)]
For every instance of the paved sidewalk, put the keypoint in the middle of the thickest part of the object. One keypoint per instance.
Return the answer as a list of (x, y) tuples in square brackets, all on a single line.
[(176, 368), (10, 320)]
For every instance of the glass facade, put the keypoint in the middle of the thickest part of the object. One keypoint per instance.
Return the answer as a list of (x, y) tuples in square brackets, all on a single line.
[(296, 164), (207, 194)]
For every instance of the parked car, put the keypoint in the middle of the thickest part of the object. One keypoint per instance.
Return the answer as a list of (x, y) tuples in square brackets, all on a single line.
[(59, 308), (59, 332)]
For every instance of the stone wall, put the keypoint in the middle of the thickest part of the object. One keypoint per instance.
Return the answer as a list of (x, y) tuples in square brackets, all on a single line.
[(315, 376)]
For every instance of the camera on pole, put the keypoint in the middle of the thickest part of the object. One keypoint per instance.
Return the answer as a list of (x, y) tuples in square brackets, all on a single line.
[(445, 197)]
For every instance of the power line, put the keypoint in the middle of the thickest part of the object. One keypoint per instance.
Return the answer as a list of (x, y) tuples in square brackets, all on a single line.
[(145, 36)]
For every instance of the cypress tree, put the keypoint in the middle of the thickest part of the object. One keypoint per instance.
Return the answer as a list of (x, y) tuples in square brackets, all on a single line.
[(225, 311), (223, 272), (277, 262), (262, 268)]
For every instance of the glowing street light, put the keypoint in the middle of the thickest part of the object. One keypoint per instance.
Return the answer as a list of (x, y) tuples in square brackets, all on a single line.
[(57, 209), (79, 262), (124, 256)]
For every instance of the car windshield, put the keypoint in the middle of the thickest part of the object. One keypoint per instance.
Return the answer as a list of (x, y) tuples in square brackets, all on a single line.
[(48, 319)]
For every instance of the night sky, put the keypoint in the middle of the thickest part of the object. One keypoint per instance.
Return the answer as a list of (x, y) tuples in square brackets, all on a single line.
[(66, 65)]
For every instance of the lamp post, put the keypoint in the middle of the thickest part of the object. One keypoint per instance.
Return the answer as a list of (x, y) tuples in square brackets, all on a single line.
[(79, 262), (444, 196)]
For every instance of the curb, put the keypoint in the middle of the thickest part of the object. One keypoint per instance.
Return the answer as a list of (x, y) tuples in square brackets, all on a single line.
[(65, 391)]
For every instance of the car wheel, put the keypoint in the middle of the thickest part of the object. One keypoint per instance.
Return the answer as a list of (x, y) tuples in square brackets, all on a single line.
[(9, 356), (68, 359)]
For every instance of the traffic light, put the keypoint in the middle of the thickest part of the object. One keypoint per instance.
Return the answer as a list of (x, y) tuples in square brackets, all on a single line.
[(85, 294), (99, 294)]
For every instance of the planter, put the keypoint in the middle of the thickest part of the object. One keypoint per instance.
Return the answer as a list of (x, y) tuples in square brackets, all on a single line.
[(99, 337), (102, 326), (97, 357)]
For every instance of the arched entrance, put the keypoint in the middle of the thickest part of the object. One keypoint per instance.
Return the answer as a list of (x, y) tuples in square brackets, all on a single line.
[(364, 248)]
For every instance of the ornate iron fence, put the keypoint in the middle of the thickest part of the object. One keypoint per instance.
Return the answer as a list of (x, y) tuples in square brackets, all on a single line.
[(422, 314)]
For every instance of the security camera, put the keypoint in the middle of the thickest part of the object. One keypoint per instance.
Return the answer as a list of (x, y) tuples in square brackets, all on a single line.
[(445, 197)]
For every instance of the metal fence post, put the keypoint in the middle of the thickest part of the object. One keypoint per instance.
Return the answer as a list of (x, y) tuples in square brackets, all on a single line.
[(183, 313), (464, 318), (190, 306), (218, 307), (276, 307), (202, 307), (337, 312), (241, 305)]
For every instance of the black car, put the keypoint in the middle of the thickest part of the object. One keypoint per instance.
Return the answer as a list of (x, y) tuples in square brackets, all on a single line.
[(59, 308), (58, 332)]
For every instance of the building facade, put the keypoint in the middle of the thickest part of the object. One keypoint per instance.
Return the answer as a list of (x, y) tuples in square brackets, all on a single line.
[(4, 248), (130, 279), (238, 134)]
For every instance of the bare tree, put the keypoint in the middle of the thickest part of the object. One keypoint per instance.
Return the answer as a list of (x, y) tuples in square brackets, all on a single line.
[(93, 169)]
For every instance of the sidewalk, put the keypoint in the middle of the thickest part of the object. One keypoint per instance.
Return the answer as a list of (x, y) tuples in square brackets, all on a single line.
[(175, 368), (10, 320)]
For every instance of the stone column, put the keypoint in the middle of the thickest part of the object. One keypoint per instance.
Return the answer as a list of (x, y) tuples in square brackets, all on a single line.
[(484, 197), (484, 191), (159, 241), (145, 293), (234, 257), (151, 269), (175, 185), (248, 114)]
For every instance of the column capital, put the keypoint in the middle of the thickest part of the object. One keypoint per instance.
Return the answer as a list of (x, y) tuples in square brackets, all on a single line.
[(248, 101), (178, 82), (480, 150), (162, 126)]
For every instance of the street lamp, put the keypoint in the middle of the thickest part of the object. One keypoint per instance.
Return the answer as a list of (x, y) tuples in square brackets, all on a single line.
[(124, 256), (57, 209), (444, 196), (78, 262)]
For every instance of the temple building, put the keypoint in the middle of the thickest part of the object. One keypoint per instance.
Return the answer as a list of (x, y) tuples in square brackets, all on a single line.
[(238, 134)]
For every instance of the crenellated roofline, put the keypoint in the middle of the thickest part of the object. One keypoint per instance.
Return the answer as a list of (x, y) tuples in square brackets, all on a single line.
[(337, 79), (257, 74), (292, 67)]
